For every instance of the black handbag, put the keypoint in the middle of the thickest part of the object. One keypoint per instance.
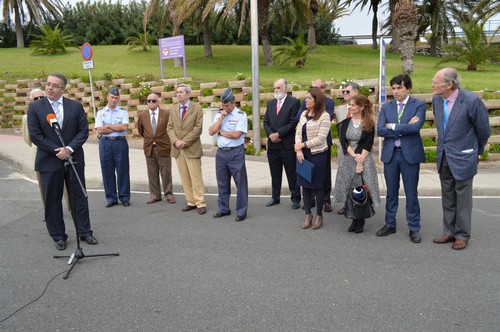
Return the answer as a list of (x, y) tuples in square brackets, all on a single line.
[(358, 202)]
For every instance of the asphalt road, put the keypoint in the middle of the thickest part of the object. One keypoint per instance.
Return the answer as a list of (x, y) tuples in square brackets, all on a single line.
[(184, 272)]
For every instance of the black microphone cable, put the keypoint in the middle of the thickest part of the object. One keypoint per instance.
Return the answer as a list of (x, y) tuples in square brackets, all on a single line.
[(27, 304)]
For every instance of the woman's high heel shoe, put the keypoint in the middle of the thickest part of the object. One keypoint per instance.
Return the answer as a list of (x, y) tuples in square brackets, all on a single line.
[(307, 222), (318, 222), (359, 226), (354, 223)]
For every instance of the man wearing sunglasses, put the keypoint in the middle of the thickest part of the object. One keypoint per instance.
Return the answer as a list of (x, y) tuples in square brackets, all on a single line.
[(152, 126), (112, 126)]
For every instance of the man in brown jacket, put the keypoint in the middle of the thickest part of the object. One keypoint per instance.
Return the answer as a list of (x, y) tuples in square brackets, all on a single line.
[(152, 125), (184, 129)]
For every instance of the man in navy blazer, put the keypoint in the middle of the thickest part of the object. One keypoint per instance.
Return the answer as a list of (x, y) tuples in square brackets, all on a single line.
[(51, 157), (463, 131), (399, 123), (279, 123)]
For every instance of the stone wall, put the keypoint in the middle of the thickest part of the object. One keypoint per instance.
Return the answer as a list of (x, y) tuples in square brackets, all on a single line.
[(14, 98)]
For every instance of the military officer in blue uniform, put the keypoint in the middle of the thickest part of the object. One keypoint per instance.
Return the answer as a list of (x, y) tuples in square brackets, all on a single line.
[(230, 126), (112, 126)]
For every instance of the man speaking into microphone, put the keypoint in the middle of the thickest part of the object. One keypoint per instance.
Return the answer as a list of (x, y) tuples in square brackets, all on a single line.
[(48, 117)]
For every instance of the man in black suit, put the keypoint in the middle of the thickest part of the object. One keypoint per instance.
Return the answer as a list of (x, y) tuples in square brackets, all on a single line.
[(51, 157), (280, 122)]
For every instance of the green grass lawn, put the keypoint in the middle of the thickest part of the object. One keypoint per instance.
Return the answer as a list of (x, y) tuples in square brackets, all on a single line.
[(332, 63)]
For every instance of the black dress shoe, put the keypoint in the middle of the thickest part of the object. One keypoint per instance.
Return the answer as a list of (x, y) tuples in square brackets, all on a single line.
[(61, 245), (127, 203), (89, 239), (272, 202), (221, 214), (240, 218), (386, 230), (415, 237), (295, 205), (111, 204)]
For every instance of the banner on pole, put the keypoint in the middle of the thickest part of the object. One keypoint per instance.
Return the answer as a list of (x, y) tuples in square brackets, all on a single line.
[(382, 93)]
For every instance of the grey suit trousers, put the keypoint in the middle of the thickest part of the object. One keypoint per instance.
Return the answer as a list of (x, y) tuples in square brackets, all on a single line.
[(457, 203)]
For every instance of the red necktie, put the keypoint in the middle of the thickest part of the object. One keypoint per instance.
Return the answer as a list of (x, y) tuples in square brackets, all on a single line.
[(183, 114), (278, 107)]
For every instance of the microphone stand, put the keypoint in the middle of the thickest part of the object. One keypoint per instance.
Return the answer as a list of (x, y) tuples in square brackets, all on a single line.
[(72, 174)]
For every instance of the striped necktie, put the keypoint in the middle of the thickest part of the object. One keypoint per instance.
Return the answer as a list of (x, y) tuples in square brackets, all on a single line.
[(58, 113)]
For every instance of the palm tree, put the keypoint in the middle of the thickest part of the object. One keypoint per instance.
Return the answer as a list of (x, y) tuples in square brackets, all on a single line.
[(434, 14), (405, 23), (36, 11), (295, 52), (373, 5), (330, 8), (51, 41), (474, 48)]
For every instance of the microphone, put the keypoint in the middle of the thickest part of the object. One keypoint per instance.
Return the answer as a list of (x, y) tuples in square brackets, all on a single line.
[(52, 120)]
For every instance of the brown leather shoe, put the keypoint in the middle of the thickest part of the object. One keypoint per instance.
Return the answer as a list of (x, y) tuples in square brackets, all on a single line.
[(188, 208), (308, 221), (443, 239), (318, 222), (459, 245), (341, 211), (327, 207), (202, 210), (153, 200), (171, 199)]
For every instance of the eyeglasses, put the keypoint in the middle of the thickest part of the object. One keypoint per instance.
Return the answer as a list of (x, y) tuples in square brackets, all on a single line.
[(54, 86), (438, 83), (314, 87), (346, 92), (36, 98), (154, 101)]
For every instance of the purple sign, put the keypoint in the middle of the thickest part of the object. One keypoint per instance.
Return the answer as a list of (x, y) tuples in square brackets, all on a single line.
[(170, 48)]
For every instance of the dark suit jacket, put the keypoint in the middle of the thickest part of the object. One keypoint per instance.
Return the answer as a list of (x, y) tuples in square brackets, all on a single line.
[(408, 134), (466, 133), (161, 138), (284, 123), (365, 141), (75, 131)]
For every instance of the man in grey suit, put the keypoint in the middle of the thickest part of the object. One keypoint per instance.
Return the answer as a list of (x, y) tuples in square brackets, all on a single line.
[(463, 130), (399, 124)]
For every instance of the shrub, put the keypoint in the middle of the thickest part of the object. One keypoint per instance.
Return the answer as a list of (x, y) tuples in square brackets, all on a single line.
[(430, 156), (51, 41)]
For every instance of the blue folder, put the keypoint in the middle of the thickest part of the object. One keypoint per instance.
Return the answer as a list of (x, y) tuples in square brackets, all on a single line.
[(305, 170)]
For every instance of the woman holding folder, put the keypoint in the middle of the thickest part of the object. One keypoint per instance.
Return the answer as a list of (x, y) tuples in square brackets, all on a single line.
[(356, 138), (312, 153)]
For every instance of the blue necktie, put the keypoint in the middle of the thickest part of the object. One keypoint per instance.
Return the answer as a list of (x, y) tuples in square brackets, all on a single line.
[(446, 113)]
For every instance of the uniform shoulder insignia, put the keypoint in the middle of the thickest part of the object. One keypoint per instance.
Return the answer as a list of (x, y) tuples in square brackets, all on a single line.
[(241, 112)]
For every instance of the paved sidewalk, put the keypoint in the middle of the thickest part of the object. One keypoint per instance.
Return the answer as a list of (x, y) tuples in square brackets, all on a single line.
[(16, 152)]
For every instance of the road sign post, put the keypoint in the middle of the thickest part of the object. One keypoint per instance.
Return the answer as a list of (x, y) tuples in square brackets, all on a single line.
[(87, 54)]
